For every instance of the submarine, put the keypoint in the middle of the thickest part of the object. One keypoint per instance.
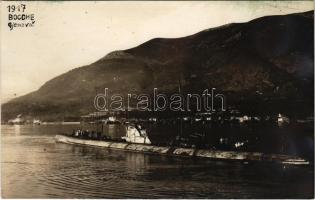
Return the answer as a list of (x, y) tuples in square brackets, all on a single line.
[(137, 140)]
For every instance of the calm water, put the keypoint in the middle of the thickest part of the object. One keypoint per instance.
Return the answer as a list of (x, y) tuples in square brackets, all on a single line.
[(34, 166)]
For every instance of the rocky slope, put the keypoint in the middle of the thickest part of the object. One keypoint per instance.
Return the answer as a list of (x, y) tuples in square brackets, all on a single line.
[(267, 61)]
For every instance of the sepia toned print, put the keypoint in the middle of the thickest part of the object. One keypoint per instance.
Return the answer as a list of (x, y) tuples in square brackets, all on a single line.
[(168, 99)]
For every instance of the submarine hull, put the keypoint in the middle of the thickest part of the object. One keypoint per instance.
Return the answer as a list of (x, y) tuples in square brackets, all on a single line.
[(189, 152)]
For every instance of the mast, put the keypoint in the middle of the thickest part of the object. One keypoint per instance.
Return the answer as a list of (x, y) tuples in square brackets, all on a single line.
[(181, 118), (96, 116)]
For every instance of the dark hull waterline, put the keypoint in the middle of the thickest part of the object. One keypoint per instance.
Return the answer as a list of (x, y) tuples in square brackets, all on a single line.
[(190, 152)]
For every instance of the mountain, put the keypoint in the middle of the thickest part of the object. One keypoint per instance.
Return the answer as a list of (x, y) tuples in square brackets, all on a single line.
[(267, 61)]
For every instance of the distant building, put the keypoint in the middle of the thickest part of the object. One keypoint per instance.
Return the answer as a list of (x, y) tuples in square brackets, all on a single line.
[(17, 120)]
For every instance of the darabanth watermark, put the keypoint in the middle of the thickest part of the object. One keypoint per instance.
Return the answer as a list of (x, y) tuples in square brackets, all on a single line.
[(208, 101)]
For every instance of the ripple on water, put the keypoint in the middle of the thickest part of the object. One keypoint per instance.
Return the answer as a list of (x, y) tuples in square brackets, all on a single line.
[(34, 166)]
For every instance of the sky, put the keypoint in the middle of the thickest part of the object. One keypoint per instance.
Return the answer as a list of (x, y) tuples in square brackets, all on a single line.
[(67, 35)]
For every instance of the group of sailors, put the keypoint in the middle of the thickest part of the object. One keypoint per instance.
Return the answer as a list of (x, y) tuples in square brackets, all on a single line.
[(86, 134)]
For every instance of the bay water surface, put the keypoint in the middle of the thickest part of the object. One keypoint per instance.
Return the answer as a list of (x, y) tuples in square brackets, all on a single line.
[(33, 165)]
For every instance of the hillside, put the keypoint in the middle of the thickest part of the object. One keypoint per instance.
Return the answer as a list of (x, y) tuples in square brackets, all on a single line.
[(272, 55)]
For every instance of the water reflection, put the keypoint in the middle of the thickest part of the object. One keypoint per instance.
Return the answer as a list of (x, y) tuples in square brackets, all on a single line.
[(34, 166), (17, 129)]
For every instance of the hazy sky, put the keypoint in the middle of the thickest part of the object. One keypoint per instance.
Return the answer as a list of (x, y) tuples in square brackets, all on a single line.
[(71, 34)]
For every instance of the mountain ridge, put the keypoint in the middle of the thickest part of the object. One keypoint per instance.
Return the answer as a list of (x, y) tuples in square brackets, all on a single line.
[(272, 55)]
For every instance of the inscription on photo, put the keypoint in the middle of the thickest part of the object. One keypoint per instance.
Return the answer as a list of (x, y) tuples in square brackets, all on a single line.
[(18, 17)]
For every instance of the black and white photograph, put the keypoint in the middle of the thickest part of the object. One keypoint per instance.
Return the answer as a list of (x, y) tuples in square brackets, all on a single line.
[(157, 99)]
